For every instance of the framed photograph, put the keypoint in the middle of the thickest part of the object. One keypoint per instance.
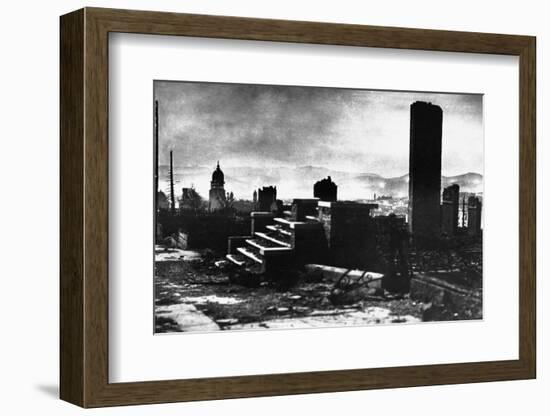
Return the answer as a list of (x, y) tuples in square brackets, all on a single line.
[(257, 207)]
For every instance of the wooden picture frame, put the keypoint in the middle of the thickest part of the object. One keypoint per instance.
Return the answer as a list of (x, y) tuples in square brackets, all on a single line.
[(84, 207)]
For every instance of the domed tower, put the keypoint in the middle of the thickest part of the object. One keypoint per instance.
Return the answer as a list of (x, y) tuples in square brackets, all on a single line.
[(217, 191)]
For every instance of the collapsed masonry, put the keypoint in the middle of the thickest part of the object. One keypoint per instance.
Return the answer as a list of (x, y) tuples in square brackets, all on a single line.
[(311, 231)]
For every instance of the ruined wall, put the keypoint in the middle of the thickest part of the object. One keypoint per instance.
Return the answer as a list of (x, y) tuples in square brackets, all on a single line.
[(206, 230), (449, 210), (266, 197), (302, 208), (325, 190), (350, 233), (474, 216)]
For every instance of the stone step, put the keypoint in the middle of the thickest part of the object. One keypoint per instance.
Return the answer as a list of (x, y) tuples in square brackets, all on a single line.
[(251, 253), (244, 262), (237, 259), (287, 223), (264, 244), (267, 252), (279, 230), (280, 240), (281, 237)]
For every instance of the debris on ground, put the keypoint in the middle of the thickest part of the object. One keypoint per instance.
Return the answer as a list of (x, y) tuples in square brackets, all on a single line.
[(218, 299)]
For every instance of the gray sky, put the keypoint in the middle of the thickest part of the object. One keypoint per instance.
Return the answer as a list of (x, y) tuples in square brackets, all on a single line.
[(340, 129)]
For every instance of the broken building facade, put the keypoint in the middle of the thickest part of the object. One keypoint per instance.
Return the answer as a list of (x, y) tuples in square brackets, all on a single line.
[(449, 210), (325, 190), (474, 216), (190, 200), (266, 197), (454, 218)]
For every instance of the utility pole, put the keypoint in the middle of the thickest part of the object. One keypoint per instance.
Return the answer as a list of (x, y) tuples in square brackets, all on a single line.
[(156, 156), (172, 198)]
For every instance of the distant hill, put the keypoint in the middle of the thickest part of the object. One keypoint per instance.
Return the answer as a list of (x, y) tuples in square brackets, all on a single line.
[(298, 182)]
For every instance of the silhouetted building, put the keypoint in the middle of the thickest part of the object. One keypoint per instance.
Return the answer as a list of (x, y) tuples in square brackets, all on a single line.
[(266, 197), (216, 199), (255, 196), (425, 169), (162, 201), (190, 200), (474, 215), (449, 210), (463, 214), (325, 190)]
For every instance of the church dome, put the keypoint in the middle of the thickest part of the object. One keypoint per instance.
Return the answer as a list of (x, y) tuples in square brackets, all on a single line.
[(217, 175)]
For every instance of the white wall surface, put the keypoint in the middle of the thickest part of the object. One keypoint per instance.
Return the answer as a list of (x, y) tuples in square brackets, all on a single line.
[(29, 159)]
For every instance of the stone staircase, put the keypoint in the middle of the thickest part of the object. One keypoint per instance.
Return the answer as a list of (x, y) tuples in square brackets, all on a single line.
[(275, 241), (311, 231)]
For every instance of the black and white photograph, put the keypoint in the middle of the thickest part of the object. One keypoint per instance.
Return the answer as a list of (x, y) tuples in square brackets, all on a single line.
[(294, 207)]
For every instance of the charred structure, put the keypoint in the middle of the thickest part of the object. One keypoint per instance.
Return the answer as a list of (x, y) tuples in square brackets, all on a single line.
[(266, 197), (325, 190), (474, 216), (425, 170), (449, 210)]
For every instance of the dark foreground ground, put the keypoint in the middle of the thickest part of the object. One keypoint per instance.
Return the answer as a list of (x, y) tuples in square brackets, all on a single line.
[(194, 292)]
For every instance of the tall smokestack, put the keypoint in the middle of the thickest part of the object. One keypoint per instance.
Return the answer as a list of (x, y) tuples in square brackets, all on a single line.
[(425, 169), (172, 198)]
